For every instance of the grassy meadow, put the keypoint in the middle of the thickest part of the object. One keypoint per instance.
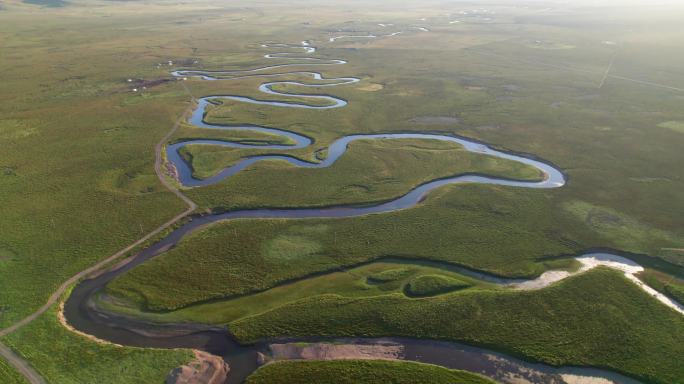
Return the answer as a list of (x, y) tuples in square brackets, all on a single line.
[(431, 285), (373, 279), (77, 181), (371, 171), (242, 256), (361, 371), (576, 322), (669, 285), (9, 375), (616, 142), (61, 356), (598, 318)]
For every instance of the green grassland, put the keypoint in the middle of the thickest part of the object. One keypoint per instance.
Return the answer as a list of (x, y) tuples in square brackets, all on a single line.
[(676, 291), (371, 171), (360, 371), (76, 173), (549, 329), (77, 180), (598, 318), (545, 102), (62, 216), (431, 285), (665, 283), (360, 281), (61, 356), (9, 375), (388, 275), (188, 132), (241, 256)]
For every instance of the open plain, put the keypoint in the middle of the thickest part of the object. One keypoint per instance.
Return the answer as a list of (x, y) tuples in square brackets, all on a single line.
[(497, 179)]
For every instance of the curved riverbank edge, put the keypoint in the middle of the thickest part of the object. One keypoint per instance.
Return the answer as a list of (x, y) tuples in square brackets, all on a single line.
[(493, 365), (453, 355), (184, 173), (553, 177), (80, 315), (587, 260)]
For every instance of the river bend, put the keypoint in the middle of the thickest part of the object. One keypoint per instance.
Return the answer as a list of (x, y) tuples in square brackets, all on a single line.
[(81, 312)]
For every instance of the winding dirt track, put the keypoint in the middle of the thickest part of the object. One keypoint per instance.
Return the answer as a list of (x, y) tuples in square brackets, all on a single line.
[(22, 365)]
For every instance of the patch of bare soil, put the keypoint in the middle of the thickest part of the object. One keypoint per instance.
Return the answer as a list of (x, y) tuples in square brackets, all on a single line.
[(383, 350), (205, 369)]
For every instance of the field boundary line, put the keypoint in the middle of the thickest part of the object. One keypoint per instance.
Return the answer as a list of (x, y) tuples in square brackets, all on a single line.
[(607, 72), (571, 69), (643, 82)]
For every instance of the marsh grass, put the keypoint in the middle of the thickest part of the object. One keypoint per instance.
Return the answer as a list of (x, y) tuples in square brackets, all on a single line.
[(598, 318), (61, 356), (431, 285), (350, 371), (371, 171), (237, 257), (77, 183)]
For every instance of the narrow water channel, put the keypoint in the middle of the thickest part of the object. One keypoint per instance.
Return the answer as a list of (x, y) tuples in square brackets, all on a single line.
[(81, 313)]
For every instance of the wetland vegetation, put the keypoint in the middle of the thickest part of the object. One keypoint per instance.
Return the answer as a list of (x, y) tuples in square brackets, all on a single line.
[(577, 322), (360, 372), (595, 91)]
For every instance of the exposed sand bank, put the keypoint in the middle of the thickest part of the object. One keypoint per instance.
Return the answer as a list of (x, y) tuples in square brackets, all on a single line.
[(205, 369), (357, 350)]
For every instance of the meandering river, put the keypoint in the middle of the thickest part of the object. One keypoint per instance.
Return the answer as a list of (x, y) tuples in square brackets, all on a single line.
[(81, 312)]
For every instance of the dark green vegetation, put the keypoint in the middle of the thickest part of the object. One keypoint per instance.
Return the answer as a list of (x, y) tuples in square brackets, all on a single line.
[(667, 284), (362, 371), (388, 275), (430, 285), (511, 92), (9, 375), (353, 282), (675, 291), (598, 318), (76, 174), (464, 223), (61, 356)]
